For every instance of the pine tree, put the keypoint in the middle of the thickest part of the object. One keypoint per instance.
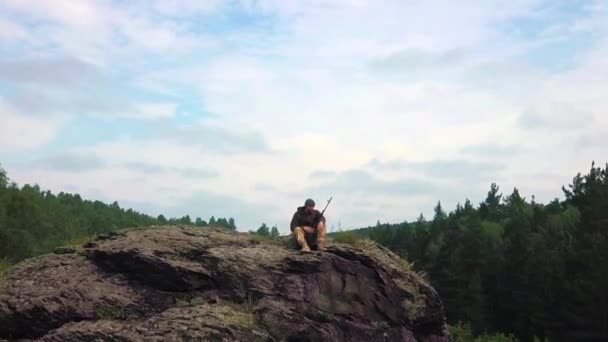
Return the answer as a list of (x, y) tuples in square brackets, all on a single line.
[(199, 222), (186, 220), (490, 208), (589, 193), (263, 230), (420, 219), (3, 178), (274, 233), (440, 215)]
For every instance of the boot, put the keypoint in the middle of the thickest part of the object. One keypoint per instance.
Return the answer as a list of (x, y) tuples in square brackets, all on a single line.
[(321, 232), (320, 245)]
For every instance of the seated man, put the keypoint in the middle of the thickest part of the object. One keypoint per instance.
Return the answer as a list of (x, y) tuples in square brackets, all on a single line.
[(307, 222)]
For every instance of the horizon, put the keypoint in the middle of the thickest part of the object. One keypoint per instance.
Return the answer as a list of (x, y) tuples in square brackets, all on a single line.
[(244, 109), (332, 228)]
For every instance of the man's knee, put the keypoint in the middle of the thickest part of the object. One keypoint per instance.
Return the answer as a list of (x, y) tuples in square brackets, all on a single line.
[(298, 232)]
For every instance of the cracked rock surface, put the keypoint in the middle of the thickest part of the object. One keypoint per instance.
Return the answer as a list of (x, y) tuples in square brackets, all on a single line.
[(203, 284)]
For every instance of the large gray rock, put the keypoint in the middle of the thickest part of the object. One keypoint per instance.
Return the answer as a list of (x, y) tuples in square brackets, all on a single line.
[(196, 284)]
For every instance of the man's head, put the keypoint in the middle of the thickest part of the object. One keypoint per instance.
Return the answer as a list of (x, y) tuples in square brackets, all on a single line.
[(309, 204)]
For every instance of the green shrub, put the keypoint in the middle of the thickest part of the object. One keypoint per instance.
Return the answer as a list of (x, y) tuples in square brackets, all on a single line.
[(463, 333), (108, 312), (80, 240), (346, 237), (4, 266)]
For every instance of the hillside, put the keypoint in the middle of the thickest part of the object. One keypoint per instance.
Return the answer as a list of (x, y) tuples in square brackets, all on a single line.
[(34, 221), (514, 265), (185, 284)]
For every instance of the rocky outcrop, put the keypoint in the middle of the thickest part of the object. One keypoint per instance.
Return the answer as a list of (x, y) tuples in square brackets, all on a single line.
[(193, 284)]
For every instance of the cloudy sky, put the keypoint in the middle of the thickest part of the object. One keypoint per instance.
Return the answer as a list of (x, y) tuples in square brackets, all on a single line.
[(246, 108)]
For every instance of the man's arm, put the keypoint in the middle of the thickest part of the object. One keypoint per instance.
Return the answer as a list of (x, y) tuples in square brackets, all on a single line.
[(294, 221), (319, 218)]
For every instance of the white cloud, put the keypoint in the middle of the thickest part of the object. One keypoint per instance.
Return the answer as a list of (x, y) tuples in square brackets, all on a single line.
[(11, 32), (19, 132), (185, 8), (100, 32), (155, 110), (70, 162), (297, 87), (62, 72)]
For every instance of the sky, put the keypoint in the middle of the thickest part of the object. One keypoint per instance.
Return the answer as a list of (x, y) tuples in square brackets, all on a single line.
[(244, 108)]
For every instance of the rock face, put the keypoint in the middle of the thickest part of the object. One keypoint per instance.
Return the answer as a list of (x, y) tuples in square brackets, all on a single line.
[(193, 284)]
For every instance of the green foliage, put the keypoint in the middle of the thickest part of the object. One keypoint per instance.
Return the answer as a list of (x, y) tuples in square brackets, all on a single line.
[(108, 312), (274, 233), (259, 238), (508, 266), (513, 265), (265, 233), (440, 215), (349, 237), (3, 178), (80, 240), (463, 333), (230, 314), (34, 222), (197, 301), (4, 266), (263, 230), (189, 300), (220, 222), (185, 220)]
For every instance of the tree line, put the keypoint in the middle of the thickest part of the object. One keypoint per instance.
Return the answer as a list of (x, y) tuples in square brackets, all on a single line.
[(513, 265), (266, 232), (34, 221), (506, 265)]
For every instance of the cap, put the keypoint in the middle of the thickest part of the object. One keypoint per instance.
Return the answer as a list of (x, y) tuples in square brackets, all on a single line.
[(309, 203)]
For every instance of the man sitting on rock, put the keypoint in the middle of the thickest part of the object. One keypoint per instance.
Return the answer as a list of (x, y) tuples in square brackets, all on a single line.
[(308, 223)]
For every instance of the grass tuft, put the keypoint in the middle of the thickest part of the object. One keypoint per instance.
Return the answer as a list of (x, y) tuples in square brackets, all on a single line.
[(464, 333), (80, 240), (347, 237), (4, 266), (231, 315), (108, 312), (113, 312)]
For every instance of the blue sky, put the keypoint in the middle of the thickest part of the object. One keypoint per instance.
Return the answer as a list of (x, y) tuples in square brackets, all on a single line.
[(246, 108)]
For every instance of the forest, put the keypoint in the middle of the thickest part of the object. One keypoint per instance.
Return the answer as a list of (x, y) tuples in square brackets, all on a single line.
[(34, 222), (507, 265), (512, 265)]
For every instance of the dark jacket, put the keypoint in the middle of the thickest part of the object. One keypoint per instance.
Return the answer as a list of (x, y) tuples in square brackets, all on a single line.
[(302, 218)]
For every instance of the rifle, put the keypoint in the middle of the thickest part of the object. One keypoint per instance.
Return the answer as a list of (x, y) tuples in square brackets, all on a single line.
[(316, 223)]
